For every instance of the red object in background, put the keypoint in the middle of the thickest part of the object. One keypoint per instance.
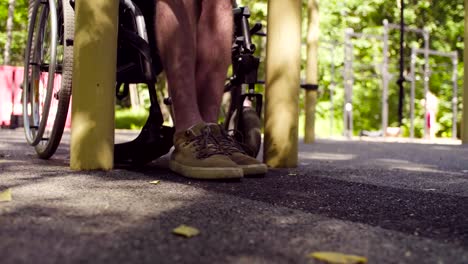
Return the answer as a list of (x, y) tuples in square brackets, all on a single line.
[(428, 119), (11, 78), (10, 93)]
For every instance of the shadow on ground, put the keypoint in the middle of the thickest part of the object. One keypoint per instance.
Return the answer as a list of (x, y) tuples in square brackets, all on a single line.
[(99, 217)]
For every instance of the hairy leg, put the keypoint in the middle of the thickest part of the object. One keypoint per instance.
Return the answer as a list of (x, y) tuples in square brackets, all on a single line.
[(214, 40), (176, 39)]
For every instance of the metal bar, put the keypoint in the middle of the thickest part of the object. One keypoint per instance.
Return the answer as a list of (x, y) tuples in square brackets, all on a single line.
[(454, 56), (385, 80), (407, 29), (332, 90), (426, 53), (350, 99), (346, 82), (310, 96), (413, 81), (401, 79), (450, 54), (403, 29), (455, 97), (426, 81), (349, 78), (365, 35)]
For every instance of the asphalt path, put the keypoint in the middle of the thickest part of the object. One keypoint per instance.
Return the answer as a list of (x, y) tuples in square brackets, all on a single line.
[(389, 202)]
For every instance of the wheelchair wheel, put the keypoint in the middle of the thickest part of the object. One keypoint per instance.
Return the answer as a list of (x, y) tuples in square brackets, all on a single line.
[(48, 74), (245, 128), (249, 133)]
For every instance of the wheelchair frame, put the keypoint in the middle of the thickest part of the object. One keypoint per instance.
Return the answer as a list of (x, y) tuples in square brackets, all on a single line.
[(137, 63)]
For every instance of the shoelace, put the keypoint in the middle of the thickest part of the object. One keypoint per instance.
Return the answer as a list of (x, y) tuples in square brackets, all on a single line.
[(229, 144), (206, 144)]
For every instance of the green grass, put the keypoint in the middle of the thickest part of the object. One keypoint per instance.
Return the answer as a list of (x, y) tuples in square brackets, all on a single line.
[(130, 118), (322, 127), (135, 119)]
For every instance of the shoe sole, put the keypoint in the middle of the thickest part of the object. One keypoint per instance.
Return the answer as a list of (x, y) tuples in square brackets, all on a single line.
[(254, 170), (212, 173)]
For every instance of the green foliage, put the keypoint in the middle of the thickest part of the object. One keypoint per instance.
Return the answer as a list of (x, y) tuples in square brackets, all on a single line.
[(126, 118), (19, 33), (444, 21)]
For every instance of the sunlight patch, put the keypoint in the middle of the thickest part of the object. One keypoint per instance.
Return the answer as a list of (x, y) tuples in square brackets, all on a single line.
[(326, 156)]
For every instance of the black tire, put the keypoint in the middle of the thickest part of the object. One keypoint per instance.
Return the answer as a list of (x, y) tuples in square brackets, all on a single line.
[(67, 24), (249, 130), (49, 140)]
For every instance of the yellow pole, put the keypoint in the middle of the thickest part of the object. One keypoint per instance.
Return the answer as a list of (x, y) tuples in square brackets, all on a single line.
[(282, 83), (95, 53), (311, 71), (464, 123)]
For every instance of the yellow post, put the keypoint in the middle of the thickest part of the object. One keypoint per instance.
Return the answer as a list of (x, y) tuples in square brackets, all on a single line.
[(282, 83), (311, 71), (95, 56), (464, 123)]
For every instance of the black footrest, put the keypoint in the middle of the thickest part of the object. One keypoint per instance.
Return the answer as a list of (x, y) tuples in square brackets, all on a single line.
[(151, 144)]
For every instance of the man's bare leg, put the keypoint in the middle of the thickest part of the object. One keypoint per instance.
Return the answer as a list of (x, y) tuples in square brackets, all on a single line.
[(176, 39), (196, 154), (214, 41)]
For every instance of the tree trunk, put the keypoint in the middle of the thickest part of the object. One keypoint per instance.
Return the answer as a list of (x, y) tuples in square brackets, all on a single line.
[(9, 32), (311, 71), (464, 123)]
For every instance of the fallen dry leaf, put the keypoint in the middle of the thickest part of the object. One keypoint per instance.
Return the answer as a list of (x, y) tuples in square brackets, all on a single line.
[(338, 258), (5, 196), (186, 231), (154, 182)]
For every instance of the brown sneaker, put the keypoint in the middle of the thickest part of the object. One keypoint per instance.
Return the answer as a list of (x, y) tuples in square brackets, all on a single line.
[(231, 147), (198, 155)]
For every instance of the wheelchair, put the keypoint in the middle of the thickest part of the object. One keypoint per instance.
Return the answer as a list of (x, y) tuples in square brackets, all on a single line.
[(48, 72)]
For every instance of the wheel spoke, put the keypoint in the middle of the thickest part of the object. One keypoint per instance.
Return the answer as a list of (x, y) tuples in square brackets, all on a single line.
[(49, 70)]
